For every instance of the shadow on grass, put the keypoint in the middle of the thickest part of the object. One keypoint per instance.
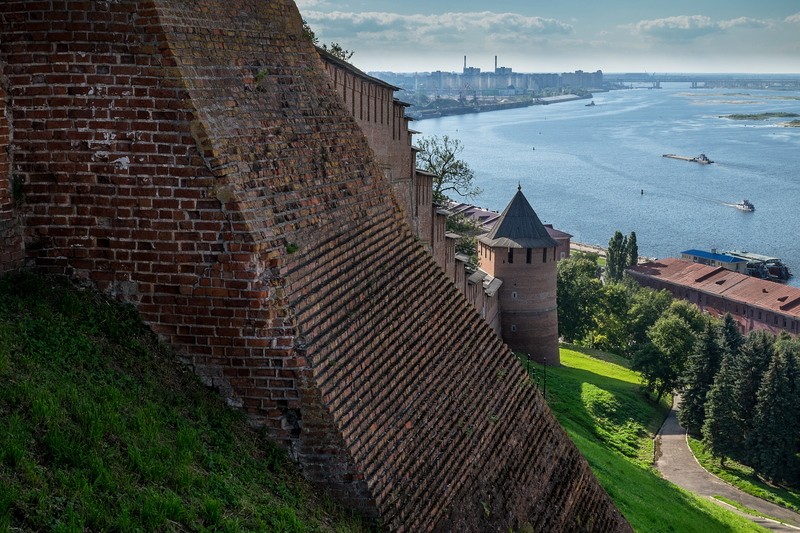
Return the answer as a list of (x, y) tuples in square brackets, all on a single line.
[(606, 413)]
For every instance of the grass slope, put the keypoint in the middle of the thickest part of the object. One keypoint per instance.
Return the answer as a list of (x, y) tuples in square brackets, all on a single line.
[(601, 405), (101, 429)]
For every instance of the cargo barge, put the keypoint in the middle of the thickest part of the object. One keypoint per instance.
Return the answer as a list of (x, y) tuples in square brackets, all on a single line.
[(756, 265), (769, 267), (702, 159)]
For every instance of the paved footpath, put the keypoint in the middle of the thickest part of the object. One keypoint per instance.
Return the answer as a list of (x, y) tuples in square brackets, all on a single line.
[(677, 464)]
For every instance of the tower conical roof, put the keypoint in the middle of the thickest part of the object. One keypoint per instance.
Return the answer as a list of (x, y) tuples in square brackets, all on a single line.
[(518, 227)]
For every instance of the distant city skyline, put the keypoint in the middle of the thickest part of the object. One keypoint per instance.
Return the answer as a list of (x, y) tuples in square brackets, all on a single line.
[(716, 36)]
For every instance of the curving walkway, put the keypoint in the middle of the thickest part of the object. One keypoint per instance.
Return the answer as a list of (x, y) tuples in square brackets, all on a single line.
[(677, 464)]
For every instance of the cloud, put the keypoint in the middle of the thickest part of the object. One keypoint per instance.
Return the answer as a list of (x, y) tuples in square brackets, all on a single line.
[(303, 4), (793, 19), (691, 27), (435, 28), (684, 28), (744, 22)]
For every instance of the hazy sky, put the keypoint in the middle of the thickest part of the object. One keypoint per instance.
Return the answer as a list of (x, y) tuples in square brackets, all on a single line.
[(564, 35)]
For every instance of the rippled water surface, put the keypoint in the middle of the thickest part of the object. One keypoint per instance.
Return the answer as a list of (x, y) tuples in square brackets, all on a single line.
[(584, 168)]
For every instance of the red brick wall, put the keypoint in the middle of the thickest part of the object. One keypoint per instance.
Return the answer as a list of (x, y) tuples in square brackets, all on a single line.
[(382, 119), (11, 253), (192, 158), (423, 213)]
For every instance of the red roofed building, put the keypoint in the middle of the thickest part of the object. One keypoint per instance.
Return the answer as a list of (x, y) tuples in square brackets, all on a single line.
[(754, 303)]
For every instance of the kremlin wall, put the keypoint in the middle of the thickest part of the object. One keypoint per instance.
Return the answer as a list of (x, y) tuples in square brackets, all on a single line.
[(201, 161)]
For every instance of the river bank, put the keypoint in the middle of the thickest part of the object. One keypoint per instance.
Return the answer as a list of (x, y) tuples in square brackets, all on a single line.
[(423, 114)]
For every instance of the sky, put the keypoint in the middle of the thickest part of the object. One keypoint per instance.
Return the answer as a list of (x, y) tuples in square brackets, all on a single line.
[(654, 36)]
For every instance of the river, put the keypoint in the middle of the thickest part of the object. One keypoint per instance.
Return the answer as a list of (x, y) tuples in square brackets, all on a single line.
[(591, 170)]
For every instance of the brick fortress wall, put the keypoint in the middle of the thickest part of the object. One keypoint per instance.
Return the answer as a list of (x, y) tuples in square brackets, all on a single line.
[(11, 252), (193, 158)]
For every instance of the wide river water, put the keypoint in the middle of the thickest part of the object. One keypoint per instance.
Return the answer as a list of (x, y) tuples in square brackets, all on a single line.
[(591, 170)]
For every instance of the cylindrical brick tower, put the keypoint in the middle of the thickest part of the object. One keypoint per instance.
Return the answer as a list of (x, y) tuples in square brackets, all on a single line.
[(520, 252)]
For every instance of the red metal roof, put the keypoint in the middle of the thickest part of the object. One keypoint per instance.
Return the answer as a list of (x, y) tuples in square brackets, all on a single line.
[(748, 290)]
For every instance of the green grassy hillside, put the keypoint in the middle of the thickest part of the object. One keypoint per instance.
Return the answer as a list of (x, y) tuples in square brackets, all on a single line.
[(101, 429), (602, 406)]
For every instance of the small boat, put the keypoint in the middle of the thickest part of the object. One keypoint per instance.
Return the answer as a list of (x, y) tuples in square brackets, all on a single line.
[(590, 104), (745, 205)]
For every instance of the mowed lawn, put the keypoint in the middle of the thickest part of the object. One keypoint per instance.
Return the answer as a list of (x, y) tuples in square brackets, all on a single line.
[(603, 408)]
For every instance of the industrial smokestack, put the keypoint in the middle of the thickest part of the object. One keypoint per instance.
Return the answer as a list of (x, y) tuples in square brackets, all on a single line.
[(495, 63), (465, 62)]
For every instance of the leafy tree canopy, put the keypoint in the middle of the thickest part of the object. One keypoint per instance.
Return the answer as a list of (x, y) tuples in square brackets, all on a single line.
[(621, 253), (646, 306), (578, 289), (440, 157)]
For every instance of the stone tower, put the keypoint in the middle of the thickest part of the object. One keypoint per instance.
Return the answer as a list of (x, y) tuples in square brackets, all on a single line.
[(519, 251)]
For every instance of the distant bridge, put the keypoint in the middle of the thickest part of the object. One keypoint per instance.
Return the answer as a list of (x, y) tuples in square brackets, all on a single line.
[(707, 80)]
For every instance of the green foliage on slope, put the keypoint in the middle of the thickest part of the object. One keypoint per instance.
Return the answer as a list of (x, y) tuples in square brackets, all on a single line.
[(102, 429), (603, 408), (745, 478)]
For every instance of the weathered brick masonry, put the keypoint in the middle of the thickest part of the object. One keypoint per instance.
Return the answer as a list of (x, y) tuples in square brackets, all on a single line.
[(192, 157), (11, 252)]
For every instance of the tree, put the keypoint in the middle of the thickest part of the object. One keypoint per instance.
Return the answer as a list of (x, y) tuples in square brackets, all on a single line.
[(731, 338), (701, 367), (439, 156), (773, 441), (610, 330), (632, 250), (689, 313), (657, 373), (646, 306), (337, 51), (622, 252), (577, 288), (334, 49), (721, 428), (309, 34), (752, 362), (673, 338), (615, 257)]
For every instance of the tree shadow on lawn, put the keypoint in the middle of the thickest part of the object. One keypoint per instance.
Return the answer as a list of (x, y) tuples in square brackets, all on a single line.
[(607, 418), (610, 408)]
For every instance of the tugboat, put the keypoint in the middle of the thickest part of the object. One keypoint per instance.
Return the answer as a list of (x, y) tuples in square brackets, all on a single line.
[(745, 205)]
